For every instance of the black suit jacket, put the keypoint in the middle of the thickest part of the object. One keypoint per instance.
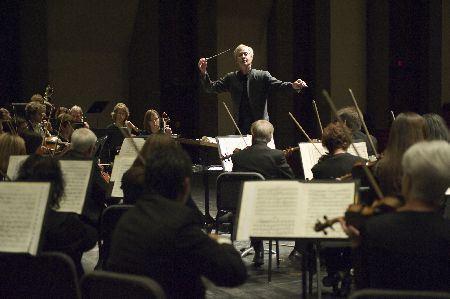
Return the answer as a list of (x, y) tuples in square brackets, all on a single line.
[(270, 163), (259, 85), (334, 166), (160, 238)]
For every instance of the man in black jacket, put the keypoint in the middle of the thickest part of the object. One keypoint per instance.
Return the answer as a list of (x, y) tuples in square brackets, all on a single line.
[(160, 237), (249, 88), (270, 163)]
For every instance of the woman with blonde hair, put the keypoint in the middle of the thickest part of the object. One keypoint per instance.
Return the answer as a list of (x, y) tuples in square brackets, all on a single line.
[(120, 116), (10, 145)]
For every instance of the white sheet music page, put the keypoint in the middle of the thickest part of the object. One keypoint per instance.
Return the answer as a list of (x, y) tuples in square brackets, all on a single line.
[(14, 165), (121, 165), (362, 150), (269, 208), (310, 156), (290, 209), (325, 199), (227, 145), (22, 213), (76, 175), (127, 148)]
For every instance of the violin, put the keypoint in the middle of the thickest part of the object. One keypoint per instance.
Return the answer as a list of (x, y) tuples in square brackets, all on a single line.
[(357, 214)]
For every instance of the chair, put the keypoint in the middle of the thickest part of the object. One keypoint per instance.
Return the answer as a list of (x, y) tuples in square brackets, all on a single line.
[(229, 185), (49, 275), (397, 294), (100, 284), (108, 221)]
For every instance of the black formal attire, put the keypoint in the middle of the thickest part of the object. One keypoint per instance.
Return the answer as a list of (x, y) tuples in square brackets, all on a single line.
[(133, 186), (359, 136), (96, 198), (405, 250), (65, 232), (159, 238), (249, 94), (270, 163), (334, 166)]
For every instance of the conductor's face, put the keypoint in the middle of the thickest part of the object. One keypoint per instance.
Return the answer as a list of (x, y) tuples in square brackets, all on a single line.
[(244, 58)]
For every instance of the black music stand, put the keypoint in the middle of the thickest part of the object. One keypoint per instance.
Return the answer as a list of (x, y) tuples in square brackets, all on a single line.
[(97, 108)]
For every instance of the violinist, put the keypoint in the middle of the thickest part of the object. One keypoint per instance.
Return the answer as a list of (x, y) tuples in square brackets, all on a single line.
[(82, 147), (349, 116), (35, 113), (4, 118), (120, 116), (77, 113), (152, 124), (407, 129), (436, 128), (337, 162), (270, 163), (409, 249), (65, 127)]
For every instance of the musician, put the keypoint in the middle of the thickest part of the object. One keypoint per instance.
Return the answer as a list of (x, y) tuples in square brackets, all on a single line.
[(337, 162), (409, 249), (270, 163), (82, 147), (133, 180), (435, 127), (407, 129), (249, 88), (120, 116), (37, 98), (349, 116), (62, 231), (160, 238), (35, 112), (62, 110), (78, 117), (4, 118), (10, 145), (65, 128), (152, 124)]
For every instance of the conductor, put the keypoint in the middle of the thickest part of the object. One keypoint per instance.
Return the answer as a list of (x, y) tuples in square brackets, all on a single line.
[(249, 88)]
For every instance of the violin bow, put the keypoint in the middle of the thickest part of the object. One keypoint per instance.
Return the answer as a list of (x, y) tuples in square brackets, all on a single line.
[(317, 115), (304, 133), (234, 122), (367, 172), (393, 115), (360, 115)]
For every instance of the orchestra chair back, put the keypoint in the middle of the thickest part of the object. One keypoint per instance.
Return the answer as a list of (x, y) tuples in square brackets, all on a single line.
[(108, 221), (101, 284), (397, 294), (228, 190), (48, 275)]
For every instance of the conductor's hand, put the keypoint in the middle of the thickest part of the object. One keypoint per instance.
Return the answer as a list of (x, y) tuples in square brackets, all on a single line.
[(299, 84), (202, 65)]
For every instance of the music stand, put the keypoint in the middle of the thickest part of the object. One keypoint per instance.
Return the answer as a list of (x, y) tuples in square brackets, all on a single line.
[(97, 108)]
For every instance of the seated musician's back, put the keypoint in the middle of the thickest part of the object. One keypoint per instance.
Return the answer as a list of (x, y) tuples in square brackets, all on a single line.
[(410, 249), (161, 238)]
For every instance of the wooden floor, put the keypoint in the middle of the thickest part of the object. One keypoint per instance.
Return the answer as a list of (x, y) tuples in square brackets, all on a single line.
[(286, 280)]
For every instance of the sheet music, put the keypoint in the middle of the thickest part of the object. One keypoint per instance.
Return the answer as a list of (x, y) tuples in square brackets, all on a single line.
[(330, 199), (127, 148), (14, 165), (76, 175), (310, 156), (121, 165), (227, 144), (23, 206), (289, 209)]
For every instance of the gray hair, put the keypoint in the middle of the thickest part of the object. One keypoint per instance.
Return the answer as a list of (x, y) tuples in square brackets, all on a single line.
[(82, 140), (240, 47), (262, 131), (76, 108), (427, 164)]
